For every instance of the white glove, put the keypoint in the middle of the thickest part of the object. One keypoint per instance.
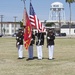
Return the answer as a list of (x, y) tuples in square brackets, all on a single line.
[(17, 43), (29, 36), (39, 41), (17, 37), (31, 39), (48, 37)]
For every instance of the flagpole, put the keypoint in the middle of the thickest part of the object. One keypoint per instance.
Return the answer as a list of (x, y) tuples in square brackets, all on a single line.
[(24, 3), (30, 0), (24, 16)]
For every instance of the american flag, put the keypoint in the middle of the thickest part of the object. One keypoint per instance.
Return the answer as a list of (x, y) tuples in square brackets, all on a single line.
[(35, 22)]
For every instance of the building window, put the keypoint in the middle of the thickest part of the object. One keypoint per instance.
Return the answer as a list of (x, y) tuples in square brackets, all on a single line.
[(12, 25), (74, 31), (7, 25), (7, 31), (12, 31), (2, 25), (55, 5), (16, 25)]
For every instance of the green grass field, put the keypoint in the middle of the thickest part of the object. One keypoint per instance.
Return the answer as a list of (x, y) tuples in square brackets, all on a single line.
[(63, 64)]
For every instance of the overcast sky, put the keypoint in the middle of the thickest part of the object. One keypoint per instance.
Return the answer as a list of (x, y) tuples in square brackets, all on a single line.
[(11, 8)]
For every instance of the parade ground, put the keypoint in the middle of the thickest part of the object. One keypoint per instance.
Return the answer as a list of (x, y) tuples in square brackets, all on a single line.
[(62, 64)]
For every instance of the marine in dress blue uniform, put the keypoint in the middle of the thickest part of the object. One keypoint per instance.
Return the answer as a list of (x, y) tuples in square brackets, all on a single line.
[(19, 43), (50, 43), (39, 44)]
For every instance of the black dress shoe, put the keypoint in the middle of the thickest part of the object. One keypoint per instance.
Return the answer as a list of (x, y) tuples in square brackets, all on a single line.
[(21, 58), (29, 59)]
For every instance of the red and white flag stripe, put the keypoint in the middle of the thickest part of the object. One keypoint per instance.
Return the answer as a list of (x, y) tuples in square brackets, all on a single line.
[(35, 21)]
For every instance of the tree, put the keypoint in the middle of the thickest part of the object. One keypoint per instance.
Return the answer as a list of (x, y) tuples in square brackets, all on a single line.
[(21, 24), (4, 30), (50, 24), (70, 1)]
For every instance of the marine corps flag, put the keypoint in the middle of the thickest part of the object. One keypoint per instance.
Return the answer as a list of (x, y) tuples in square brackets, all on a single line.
[(28, 31)]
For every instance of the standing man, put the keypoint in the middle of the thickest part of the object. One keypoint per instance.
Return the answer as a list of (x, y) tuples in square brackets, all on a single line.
[(19, 43), (30, 49), (50, 43), (39, 44)]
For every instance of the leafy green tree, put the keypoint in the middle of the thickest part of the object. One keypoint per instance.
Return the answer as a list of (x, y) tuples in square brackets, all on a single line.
[(50, 24), (21, 24)]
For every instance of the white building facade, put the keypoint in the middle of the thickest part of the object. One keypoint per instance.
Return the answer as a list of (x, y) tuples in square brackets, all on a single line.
[(9, 28), (68, 30)]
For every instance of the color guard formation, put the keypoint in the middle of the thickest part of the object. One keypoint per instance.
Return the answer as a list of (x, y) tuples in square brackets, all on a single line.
[(39, 37)]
